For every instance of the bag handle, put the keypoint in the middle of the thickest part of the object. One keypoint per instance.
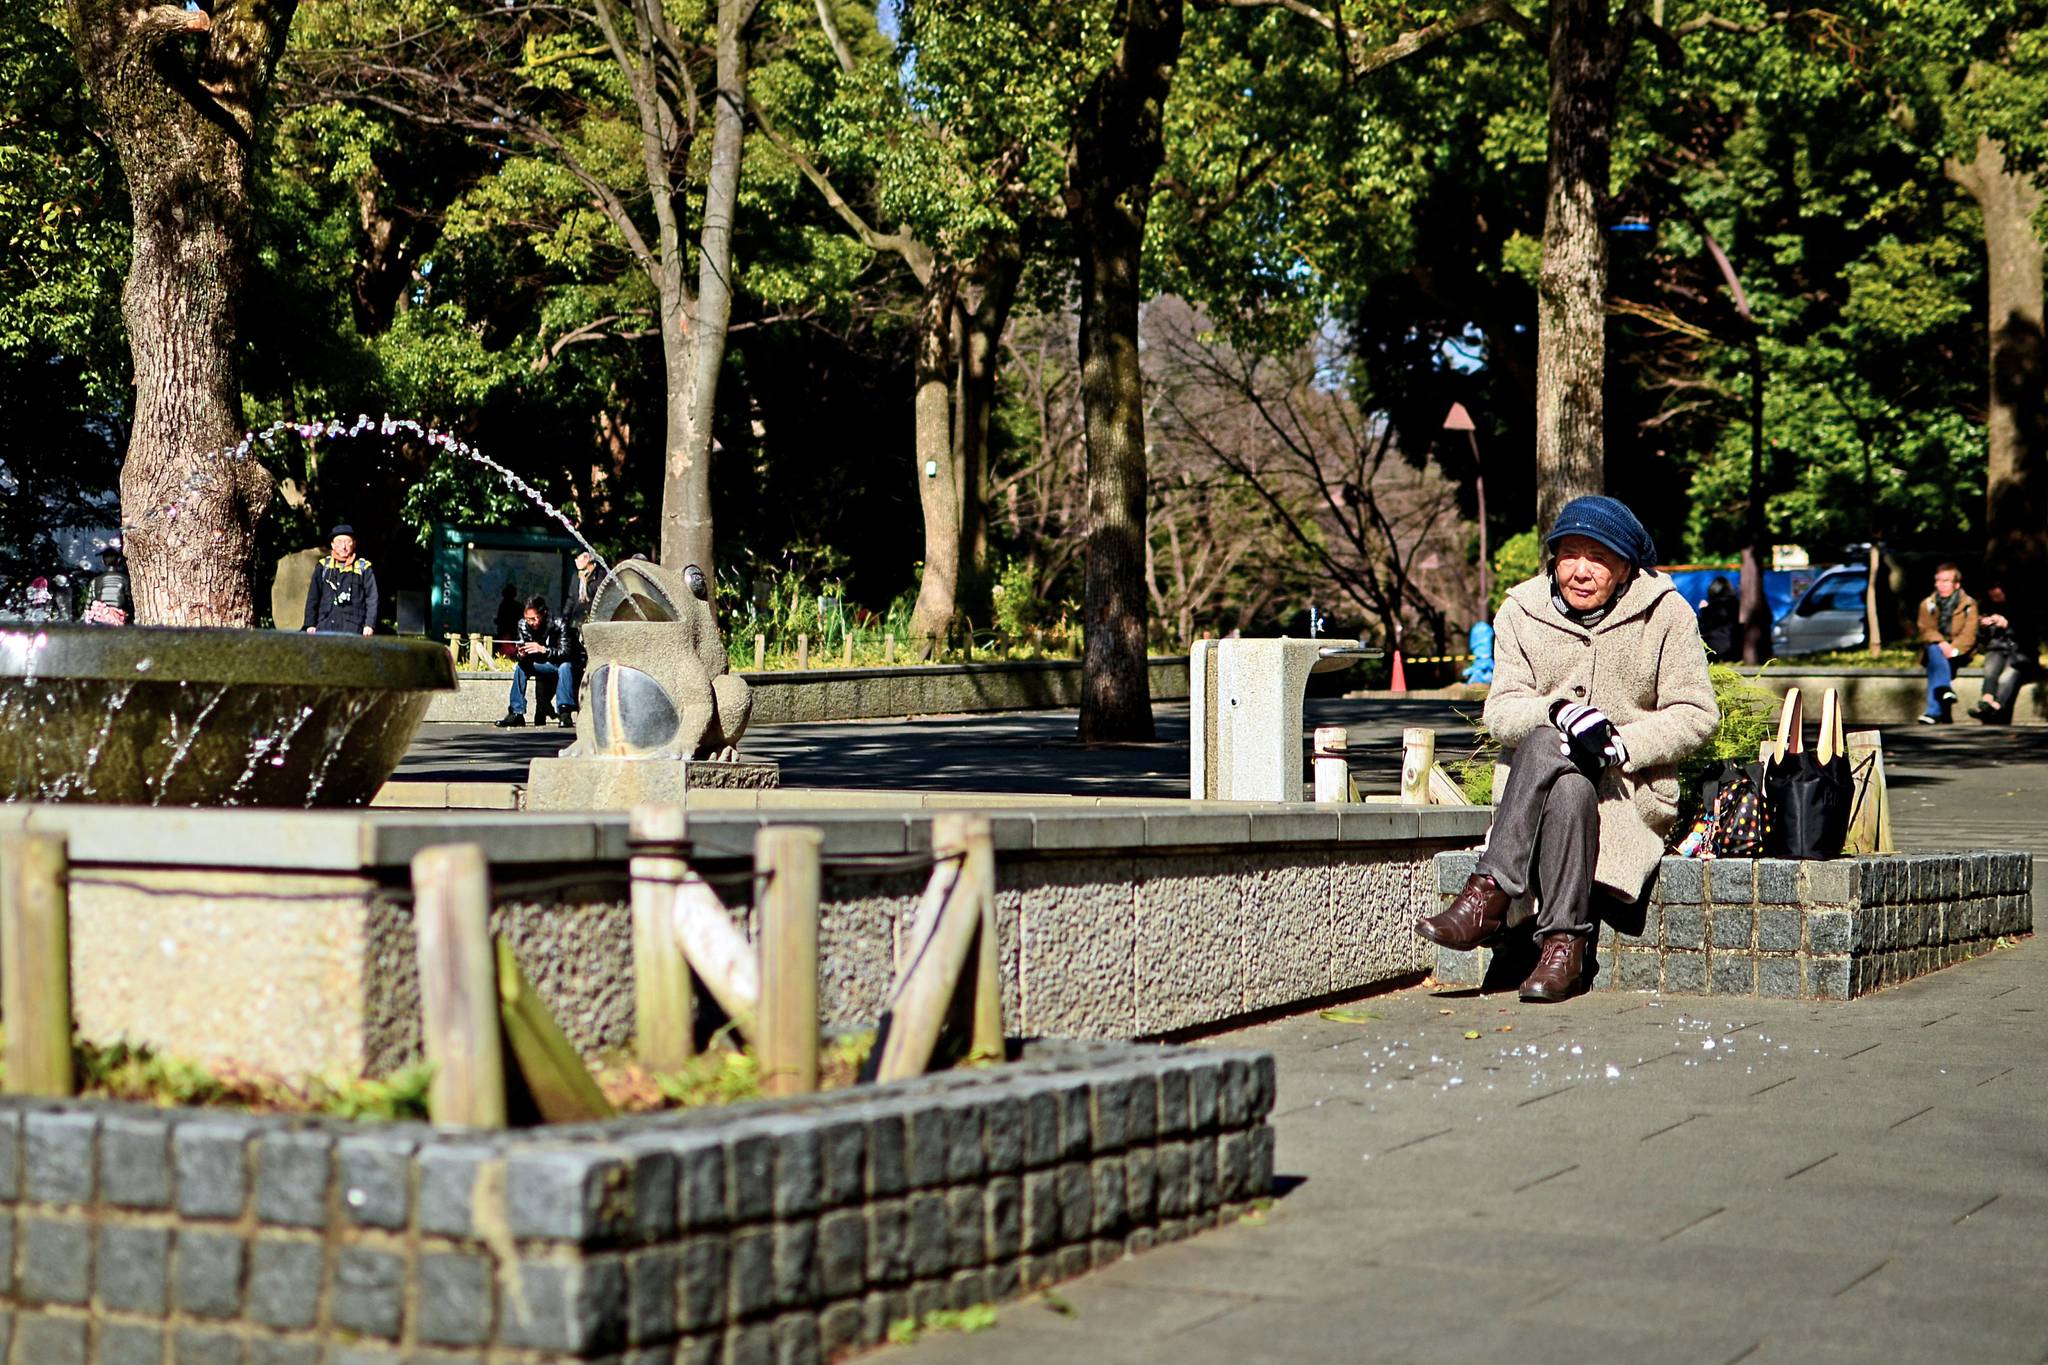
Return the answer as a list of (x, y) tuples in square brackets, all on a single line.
[(1791, 721), (1831, 741)]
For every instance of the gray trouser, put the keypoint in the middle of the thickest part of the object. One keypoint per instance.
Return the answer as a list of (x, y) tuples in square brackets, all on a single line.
[(1546, 836), (2001, 675)]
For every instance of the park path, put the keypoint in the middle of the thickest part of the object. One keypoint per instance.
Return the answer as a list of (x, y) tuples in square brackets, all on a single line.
[(1631, 1177)]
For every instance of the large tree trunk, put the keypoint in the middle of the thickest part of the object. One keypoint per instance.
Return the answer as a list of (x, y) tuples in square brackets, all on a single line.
[(1118, 148), (979, 352), (686, 530), (938, 476), (1571, 289), (2016, 477), (181, 92)]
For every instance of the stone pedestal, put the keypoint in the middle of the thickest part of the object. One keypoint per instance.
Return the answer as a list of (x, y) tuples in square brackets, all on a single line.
[(608, 783), (1245, 739)]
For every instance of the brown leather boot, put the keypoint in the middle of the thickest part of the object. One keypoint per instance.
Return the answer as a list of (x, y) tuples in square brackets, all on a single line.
[(1475, 918), (1558, 971)]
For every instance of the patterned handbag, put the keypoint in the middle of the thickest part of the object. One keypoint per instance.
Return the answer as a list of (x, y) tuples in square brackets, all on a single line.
[(1734, 820)]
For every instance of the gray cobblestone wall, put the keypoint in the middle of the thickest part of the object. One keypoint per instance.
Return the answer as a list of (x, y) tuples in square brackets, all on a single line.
[(780, 1232), (1802, 930)]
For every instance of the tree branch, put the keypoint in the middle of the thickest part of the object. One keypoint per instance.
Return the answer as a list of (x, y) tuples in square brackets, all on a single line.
[(915, 254)]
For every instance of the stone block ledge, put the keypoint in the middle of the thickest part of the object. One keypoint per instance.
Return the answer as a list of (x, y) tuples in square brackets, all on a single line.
[(1790, 929), (386, 837), (792, 1230)]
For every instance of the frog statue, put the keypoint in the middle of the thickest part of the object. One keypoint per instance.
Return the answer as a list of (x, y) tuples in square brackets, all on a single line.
[(658, 685)]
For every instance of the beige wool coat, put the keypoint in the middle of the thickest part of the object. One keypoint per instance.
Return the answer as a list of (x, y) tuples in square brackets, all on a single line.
[(1645, 667)]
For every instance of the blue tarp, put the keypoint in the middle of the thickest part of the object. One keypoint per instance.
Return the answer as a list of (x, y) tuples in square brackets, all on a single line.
[(1782, 587)]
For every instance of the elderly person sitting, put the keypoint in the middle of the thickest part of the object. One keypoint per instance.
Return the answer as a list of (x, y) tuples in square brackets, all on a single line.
[(1600, 688)]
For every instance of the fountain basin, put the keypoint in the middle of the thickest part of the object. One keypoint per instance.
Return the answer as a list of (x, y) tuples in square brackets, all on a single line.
[(180, 716)]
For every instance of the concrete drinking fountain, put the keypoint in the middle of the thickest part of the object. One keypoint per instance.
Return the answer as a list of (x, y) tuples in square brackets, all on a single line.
[(175, 716)]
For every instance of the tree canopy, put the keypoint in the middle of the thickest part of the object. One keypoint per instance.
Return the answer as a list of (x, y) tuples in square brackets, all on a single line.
[(1820, 220)]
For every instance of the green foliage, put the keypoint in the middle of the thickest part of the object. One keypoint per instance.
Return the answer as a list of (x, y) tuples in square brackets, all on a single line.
[(1019, 608), (1748, 716), (717, 1077), (140, 1074), (975, 1318), (1517, 559)]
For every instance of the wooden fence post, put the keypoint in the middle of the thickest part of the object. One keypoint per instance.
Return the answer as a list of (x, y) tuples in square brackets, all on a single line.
[(1870, 814), (978, 870), (889, 650), (846, 654), (760, 652), (562, 1088), (35, 963), (451, 916), (1418, 752), (717, 952), (803, 651), (1330, 764), (664, 1002), (924, 990), (787, 1047)]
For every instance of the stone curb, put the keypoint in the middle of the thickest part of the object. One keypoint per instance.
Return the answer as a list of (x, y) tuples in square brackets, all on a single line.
[(1780, 928), (795, 1229)]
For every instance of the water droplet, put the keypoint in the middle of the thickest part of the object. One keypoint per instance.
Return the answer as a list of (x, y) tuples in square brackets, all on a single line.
[(1613, 1071)]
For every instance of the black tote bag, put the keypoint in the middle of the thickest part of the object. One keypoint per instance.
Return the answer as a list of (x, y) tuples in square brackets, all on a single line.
[(1810, 793)]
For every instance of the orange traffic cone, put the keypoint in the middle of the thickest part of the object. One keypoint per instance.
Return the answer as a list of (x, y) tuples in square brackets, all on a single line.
[(1400, 681)]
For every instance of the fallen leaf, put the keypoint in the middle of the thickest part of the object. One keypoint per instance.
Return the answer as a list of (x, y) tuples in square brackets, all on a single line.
[(1348, 1015), (1471, 1033), (1443, 1011), (1504, 1028)]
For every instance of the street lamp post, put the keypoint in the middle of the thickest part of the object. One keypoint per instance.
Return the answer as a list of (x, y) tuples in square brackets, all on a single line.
[(1460, 420)]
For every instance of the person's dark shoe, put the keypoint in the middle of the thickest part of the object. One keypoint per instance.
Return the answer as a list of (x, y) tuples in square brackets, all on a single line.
[(1559, 971), (513, 721), (1475, 918), (565, 716), (1948, 696)]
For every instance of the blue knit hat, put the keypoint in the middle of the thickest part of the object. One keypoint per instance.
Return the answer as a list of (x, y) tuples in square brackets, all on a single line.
[(1609, 522)]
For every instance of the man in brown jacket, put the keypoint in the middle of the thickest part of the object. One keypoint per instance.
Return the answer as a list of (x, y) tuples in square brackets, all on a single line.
[(1600, 688), (1948, 632)]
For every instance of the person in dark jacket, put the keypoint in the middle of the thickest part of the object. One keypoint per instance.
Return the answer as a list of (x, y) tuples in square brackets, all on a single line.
[(545, 653), (505, 625), (342, 598), (1721, 621), (2008, 657), (108, 599)]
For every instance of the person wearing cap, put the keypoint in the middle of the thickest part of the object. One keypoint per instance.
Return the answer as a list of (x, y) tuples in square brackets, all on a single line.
[(108, 600), (1600, 689), (342, 598)]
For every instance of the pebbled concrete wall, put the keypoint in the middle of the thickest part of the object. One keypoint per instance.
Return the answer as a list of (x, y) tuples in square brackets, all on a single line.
[(1115, 921), (789, 1231)]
